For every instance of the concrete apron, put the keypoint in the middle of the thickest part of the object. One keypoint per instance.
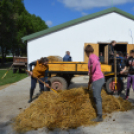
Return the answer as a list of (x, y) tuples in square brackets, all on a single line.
[(14, 100)]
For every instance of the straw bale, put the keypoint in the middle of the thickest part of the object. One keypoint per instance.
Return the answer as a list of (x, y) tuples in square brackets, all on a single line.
[(67, 109), (55, 58)]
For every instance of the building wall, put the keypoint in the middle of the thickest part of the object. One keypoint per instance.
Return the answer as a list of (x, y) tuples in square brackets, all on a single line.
[(109, 27)]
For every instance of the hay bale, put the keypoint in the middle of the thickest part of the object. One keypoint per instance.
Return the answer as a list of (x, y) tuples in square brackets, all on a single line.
[(67, 109), (55, 59)]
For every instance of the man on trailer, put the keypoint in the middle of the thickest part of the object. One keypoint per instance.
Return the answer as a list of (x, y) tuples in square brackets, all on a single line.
[(67, 57), (111, 50)]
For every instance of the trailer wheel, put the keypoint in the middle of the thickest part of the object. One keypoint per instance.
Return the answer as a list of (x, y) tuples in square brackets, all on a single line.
[(110, 86), (58, 83)]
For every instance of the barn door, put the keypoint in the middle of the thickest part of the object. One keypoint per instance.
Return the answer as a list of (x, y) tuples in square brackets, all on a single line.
[(96, 50), (106, 54), (130, 47)]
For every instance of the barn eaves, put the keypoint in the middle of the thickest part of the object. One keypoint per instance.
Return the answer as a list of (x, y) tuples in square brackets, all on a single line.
[(76, 21)]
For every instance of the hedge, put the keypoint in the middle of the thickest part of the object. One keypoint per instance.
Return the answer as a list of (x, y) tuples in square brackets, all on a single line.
[(8, 59)]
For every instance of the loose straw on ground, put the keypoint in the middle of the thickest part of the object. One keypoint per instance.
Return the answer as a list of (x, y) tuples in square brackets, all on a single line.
[(67, 109)]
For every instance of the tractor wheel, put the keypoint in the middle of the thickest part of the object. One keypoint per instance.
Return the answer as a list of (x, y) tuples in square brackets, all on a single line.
[(20, 70), (58, 83), (110, 86), (14, 71)]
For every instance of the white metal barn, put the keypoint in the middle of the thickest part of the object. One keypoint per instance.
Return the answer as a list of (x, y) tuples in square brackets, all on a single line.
[(98, 29)]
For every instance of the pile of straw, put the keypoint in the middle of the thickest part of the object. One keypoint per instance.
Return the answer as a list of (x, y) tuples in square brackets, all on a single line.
[(67, 109), (55, 58)]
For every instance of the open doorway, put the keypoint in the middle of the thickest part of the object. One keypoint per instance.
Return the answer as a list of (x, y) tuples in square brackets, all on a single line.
[(103, 51), (119, 48), (101, 48)]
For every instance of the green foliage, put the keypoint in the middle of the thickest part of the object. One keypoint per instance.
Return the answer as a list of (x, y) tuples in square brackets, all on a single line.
[(8, 59), (7, 26), (10, 77), (16, 22)]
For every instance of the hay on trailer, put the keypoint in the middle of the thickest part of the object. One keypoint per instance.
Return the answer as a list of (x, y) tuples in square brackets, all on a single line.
[(54, 58), (67, 109)]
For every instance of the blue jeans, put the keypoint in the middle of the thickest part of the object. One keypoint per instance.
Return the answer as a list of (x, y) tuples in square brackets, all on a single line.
[(41, 85)]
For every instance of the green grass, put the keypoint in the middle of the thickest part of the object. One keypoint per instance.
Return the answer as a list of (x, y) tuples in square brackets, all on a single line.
[(10, 77)]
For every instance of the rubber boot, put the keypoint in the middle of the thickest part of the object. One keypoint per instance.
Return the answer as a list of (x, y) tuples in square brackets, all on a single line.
[(127, 94), (98, 119), (126, 98), (31, 94)]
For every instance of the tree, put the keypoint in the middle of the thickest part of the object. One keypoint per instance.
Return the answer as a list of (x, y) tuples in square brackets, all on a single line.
[(7, 27), (28, 24), (16, 22)]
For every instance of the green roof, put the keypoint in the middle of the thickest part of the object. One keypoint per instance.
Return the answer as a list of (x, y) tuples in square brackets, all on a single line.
[(76, 21)]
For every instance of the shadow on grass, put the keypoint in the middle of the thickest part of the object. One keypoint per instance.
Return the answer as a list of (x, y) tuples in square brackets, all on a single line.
[(6, 65)]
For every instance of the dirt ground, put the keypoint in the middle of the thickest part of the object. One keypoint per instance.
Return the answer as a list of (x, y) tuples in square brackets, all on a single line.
[(13, 100), (4, 86)]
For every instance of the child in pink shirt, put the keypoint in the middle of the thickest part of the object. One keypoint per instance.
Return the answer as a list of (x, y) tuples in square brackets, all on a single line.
[(97, 80)]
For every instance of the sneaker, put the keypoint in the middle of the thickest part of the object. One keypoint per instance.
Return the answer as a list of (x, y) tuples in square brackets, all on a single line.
[(98, 119)]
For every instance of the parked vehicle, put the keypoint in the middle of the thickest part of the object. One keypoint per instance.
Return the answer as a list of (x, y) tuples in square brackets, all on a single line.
[(19, 63)]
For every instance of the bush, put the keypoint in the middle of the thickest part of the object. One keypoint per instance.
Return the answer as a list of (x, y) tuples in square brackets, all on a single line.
[(8, 59)]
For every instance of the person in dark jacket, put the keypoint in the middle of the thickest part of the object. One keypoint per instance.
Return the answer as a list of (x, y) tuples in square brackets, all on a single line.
[(130, 78), (118, 60), (123, 60), (111, 50), (67, 57), (40, 71)]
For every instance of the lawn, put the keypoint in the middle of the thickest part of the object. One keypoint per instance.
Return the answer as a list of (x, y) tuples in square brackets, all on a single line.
[(10, 77)]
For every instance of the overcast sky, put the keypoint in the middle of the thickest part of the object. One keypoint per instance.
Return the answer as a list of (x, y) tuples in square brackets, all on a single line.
[(55, 12)]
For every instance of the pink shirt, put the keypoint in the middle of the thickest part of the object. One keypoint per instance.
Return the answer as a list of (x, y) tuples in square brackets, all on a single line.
[(96, 68)]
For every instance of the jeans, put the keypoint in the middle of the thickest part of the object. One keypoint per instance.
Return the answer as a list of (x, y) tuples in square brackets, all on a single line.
[(41, 85), (130, 81), (97, 87)]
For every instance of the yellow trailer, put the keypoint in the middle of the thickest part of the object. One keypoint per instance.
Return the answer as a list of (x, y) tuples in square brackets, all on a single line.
[(64, 71), (74, 67)]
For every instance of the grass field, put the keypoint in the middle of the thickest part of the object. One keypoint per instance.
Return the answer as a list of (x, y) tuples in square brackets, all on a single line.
[(10, 77)]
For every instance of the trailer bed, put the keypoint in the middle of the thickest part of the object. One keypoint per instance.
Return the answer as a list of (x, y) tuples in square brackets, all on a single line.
[(74, 67)]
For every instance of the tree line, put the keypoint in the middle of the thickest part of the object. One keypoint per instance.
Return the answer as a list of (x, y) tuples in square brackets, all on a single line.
[(15, 23)]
